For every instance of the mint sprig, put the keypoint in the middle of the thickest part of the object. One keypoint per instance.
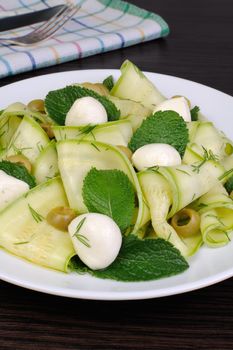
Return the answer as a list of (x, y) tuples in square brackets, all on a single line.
[(194, 113), (162, 127), (110, 192), (229, 185), (109, 82), (59, 102), (139, 260)]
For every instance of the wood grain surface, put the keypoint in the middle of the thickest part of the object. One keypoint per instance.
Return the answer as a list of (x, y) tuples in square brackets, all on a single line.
[(199, 48)]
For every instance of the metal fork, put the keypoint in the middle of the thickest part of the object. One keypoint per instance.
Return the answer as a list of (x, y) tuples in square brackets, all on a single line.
[(47, 29)]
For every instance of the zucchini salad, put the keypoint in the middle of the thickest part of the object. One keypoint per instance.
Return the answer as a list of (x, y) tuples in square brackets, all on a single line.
[(113, 179)]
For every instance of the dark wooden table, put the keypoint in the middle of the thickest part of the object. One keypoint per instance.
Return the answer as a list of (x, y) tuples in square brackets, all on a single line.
[(199, 48)]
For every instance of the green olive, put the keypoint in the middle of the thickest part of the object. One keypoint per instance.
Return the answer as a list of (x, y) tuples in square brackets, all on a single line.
[(186, 222), (231, 194), (36, 106), (228, 149), (97, 87), (188, 101), (48, 129), (60, 217), (126, 151), (22, 160)]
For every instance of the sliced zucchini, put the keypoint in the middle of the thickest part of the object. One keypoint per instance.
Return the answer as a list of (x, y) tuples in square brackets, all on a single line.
[(189, 183), (191, 157), (113, 133), (207, 137), (130, 110), (158, 194), (45, 166), (29, 140), (216, 210), (8, 125), (135, 86), (25, 232), (76, 158)]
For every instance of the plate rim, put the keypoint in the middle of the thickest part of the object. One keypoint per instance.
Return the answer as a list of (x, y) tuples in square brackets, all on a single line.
[(122, 295)]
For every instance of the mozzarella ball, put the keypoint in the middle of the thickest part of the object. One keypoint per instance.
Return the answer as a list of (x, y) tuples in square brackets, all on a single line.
[(96, 239), (86, 110), (178, 104), (10, 189), (153, 154)]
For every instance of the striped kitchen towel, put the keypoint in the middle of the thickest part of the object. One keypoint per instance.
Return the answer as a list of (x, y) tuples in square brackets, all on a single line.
[(99, 26)]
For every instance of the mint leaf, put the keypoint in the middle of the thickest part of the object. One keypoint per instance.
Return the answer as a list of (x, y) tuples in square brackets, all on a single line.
[(229, 185), (139, 260), (110, 192), (162, 127), (18, 171), (59, 102), (194, 113), (109, 82)]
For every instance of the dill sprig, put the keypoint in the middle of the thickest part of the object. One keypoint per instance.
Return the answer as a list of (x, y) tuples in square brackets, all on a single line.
[(87, 129), (83, 239), (36, 216), (95, 147), (208, 155), (153, 168)]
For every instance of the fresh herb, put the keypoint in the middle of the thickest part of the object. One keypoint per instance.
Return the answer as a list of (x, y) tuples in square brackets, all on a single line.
[(59, 102), (202, 206), (83, 239), (139, 260), (162, 127), (19, 243), (208, 155), (194, 113), (36, 216), (229, 184), (183, 171), (109, 82), (110, 192), (18, 171), (217, 218), (87, 129), (95, 146), (78, 228), (39, 146), (153, 168), (20, 150), (226, 174)]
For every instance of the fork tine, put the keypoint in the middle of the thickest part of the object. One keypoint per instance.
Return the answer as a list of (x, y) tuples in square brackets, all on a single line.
[(46, 23), (57, 24), (46, 29)]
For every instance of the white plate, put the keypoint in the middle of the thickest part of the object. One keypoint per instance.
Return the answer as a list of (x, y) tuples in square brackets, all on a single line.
[(207, 267)]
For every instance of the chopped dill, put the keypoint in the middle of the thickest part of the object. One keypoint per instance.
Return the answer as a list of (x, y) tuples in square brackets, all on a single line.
[(84, 240), (95, 147), (208, 155), (36, 216)]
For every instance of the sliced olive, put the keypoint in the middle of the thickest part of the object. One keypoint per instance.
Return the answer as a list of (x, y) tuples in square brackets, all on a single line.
[(48, 129), (186, 222), (22, 160), (126, 151), (60, 217), (36, 106)]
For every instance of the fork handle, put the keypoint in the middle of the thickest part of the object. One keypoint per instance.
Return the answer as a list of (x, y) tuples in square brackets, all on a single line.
[(18, 21)]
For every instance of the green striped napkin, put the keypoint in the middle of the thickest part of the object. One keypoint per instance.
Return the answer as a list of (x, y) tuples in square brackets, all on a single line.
[(99, 26)]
